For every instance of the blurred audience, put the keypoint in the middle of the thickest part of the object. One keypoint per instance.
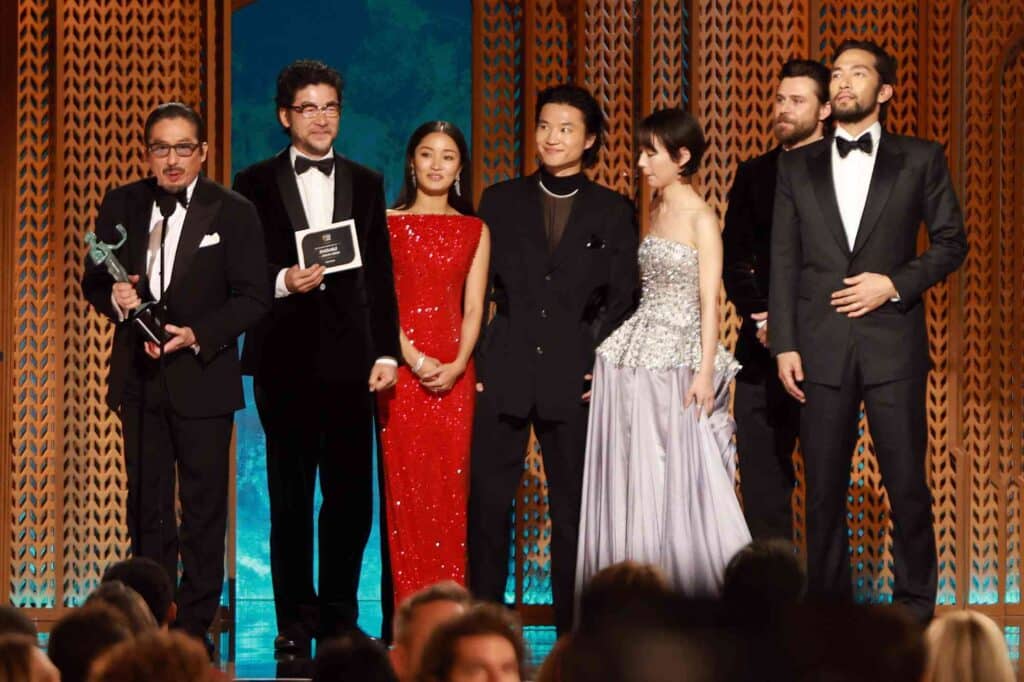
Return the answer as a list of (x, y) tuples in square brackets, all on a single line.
[(13, 621), (128, 602), (155, 656), (417, 618), (151, 581), (353, 657), (82, 635), (966, 646), (484, 643), (765, 573), (22, 661)]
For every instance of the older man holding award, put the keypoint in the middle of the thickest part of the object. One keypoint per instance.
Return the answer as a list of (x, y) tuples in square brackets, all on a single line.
[(331, 339), (177, 262)]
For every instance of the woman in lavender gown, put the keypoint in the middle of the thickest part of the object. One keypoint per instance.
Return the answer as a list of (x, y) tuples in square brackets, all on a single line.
[(660, 464)]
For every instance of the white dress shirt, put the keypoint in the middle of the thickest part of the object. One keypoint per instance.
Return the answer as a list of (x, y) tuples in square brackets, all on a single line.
[(171, 238), (852, 177)]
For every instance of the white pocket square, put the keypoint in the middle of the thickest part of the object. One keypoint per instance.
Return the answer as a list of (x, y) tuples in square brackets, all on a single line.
[(210, 240)]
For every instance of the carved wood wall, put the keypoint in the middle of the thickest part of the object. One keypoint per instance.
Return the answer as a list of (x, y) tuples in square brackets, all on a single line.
[(961, 82), (87, 74)]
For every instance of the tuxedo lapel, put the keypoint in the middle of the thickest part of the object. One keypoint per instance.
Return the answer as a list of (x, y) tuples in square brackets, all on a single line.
[(576, 223), (289, 189), (819, 168), (343, 190), (138, 232), (883, 177), (202, 209)]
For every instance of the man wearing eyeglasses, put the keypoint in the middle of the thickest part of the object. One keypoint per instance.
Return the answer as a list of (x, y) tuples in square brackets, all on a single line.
[(177, 403), (328, 340)]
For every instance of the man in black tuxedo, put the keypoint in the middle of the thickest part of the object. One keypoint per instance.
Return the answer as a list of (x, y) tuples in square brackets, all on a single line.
[(767, 422), (847, 319), (177, 404), (563, 274), (329, 341)]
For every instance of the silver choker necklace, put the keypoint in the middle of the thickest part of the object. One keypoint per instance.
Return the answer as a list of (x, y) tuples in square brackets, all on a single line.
[(552, 194)]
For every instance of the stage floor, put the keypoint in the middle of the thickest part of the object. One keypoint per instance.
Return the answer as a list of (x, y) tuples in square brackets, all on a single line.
[(254, 649)]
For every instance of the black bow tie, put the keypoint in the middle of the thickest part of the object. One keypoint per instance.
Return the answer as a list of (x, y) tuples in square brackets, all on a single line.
[(863, 143), (325, 166), (180, 196)]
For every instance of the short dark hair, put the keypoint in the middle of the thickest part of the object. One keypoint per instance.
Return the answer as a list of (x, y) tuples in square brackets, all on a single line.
[(352, 657), (676, 130), (808, 68), (80, 637), (765, 572), (16, 651), (155, 656), (174, 110), (578, 98), (13, 621), (302, 73), (885, 64), (438, 657), (461, 201), (149, 579), (127, 601)]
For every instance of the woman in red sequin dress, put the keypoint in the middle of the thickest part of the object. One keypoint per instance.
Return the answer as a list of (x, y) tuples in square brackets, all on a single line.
[(440, 254)]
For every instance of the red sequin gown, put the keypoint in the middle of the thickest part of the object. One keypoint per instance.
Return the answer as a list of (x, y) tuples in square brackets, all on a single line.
[(426, 435)]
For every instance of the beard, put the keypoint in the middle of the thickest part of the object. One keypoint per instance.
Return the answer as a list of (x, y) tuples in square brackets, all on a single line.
[(856, 110), (797, 133)]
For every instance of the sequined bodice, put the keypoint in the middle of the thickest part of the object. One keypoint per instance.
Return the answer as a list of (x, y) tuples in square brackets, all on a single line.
[(431, 256), (664, 332)]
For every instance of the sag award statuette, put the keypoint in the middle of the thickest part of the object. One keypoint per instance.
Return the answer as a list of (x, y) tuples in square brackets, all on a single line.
[(149, 317)]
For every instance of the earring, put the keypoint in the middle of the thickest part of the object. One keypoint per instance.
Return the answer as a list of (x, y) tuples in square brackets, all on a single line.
[(458, 187), (412, 175)]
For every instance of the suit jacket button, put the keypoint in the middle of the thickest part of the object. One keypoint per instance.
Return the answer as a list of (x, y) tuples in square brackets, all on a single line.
[(547, 278), (544, 313), (323, 287), (540, 351)]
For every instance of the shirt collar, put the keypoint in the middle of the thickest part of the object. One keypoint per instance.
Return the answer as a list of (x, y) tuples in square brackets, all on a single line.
[(293, 153)]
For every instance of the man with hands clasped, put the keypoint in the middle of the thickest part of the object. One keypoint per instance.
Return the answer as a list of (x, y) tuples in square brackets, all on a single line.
[(327, 340), (847, 317)]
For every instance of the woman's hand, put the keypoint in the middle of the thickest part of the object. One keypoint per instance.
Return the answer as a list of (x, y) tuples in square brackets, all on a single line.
[(443, 377), (702, 392)]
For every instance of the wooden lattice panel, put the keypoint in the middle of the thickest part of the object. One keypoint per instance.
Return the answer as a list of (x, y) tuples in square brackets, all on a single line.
[(992, 92), (496, 82), (937, 116), (608, 74), (34, 495)]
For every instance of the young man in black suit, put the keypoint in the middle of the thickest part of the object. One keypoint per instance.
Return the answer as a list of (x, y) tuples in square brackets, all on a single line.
[(327, 340), (177, 404), (767, 422), (847, 317), (563, 274)]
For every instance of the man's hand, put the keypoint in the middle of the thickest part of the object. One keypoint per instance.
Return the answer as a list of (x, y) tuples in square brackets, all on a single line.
[(863, 293), (299, 280), (762, 330), (126, 296), (181, 337), (791, 372), (383, 375)]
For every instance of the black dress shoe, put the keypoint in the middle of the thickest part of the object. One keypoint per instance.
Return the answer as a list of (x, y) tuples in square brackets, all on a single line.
[(288, 647)]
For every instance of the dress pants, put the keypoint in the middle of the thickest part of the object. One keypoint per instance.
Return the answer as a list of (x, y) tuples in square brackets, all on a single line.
[(158, 441), (325, 427), (828, 433), (496, 467), (767, 424)]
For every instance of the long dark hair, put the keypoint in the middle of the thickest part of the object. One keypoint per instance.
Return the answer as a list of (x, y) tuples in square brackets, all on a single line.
[(461, 202)]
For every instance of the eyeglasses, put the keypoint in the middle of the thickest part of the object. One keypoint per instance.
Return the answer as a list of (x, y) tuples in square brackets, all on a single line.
[(330, 110), (161, 149)]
